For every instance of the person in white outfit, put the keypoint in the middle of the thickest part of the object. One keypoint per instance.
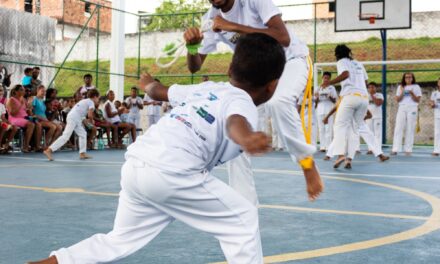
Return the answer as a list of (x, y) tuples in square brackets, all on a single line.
[(354, 102), (375, 108), (408, 96), (167, 175), (153, 110), (326, 98), (135, 104), (83, 109), (355, 132), (231, 18), (435, 104)]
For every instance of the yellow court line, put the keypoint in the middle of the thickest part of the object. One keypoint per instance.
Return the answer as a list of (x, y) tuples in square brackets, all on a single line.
[(317, 210), (432, 224), (265, 206)]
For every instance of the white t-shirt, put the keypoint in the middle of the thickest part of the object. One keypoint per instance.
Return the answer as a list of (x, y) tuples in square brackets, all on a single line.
[(2, 110), (325, 104), (82, 108), (435, 96), (134, 109), (375, 110), (407, 99), (113, 109), (85, 89), (193, 137), (252, 13), (355, 83), (152, 110)]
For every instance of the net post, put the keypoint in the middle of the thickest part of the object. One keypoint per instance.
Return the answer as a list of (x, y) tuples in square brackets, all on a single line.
[(383, 34)]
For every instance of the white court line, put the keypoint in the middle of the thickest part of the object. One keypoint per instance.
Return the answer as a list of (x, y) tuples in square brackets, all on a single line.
[(288, 172)]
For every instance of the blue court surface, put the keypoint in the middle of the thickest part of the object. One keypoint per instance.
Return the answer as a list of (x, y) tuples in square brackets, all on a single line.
[(375, 213)]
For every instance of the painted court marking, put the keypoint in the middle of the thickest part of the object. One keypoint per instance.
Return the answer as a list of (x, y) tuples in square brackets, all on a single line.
[(431, 224)]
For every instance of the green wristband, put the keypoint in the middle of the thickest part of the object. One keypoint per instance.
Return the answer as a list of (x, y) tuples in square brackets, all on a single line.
[(193, 49)]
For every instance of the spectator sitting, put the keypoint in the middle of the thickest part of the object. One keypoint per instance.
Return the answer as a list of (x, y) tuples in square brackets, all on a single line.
[(111, 114), (7, 130), (18, 116), (39, 111), (27, 79), (35, 82), (102, 123), (82, 91), (68, 105)]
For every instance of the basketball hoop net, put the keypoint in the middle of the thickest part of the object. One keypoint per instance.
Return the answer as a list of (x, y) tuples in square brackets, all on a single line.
[(371, 17)]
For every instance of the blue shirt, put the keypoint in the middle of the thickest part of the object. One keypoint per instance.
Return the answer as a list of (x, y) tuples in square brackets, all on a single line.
[(39, 107), (26, 80)]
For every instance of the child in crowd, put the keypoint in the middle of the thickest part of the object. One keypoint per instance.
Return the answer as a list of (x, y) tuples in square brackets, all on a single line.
[(84, 108), (102, 123), (27, 79), (125, 113), (135, 104)]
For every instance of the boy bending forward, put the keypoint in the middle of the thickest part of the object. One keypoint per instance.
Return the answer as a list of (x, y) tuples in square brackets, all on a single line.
[(167, 172)]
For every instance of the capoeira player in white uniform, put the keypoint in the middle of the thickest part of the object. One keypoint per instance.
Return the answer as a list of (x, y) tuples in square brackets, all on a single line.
[(353, 105), (167, 172), (232, 18)]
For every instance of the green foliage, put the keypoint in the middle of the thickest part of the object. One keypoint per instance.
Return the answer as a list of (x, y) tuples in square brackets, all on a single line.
[(178, 21)]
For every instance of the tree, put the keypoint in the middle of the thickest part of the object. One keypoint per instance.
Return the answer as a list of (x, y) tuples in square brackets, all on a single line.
[(175, 20)]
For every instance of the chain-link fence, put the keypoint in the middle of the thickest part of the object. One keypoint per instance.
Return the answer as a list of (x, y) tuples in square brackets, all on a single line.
[(77, 40)]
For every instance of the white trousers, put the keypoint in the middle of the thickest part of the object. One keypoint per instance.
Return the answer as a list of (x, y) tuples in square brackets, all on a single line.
[(74, 123), (325, 132), (375, 126), (241, 177), (282, 107), (285, 119), (406, 121), (351, 109), (150, 200), (135, 119), (437, 135), (370, 139), (153, 119)]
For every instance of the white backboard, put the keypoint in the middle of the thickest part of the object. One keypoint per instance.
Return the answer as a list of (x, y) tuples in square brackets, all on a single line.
[(350, 15)]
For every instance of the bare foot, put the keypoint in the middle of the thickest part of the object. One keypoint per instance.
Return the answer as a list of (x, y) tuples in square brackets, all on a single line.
[(48, 152), (314, 182), (435, 154), (347, 164), (84, 156), (50, 260), (326, 158), (370, 152)]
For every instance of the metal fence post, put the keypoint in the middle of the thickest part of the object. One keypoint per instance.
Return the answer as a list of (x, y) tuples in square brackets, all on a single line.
[(139, 47), (97, 46)]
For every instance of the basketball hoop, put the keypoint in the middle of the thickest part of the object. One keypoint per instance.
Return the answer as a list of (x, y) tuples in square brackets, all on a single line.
[(371, 17)]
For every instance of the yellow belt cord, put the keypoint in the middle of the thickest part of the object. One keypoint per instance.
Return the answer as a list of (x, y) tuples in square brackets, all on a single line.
[(307, 163)]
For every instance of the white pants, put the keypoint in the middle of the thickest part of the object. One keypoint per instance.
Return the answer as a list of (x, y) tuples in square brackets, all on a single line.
[(375, 126), (352, 143), (150, 200), (437, 135), (74, 123), (153, 119), (135, 119), (406, 121), (352, 108), (325, 132), (241, 177), (285, 119), (370, 139), (283, 110)]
